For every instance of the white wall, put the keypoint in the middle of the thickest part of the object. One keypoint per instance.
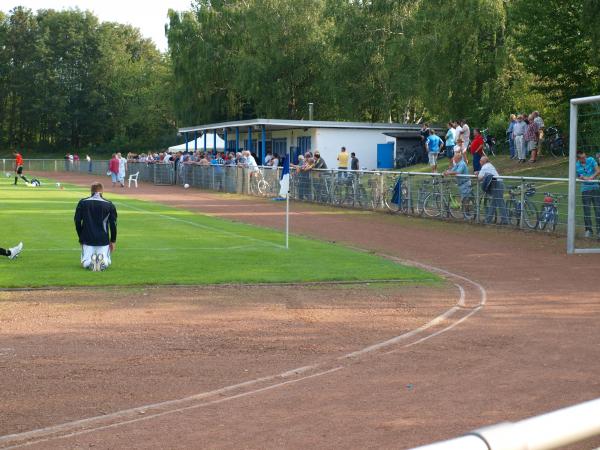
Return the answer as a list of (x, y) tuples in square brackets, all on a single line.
[(363, 142)]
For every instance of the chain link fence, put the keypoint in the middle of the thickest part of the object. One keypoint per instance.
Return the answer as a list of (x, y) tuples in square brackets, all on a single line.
[(529, 203)]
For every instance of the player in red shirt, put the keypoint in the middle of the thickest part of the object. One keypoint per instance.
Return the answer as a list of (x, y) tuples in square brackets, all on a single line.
[(19, 168)]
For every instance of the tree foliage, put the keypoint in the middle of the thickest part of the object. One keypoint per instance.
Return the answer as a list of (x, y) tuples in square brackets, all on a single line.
[(70, 82)]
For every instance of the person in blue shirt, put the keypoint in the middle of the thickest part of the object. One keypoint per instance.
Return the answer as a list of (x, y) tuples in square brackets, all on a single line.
[(450, 141), (587, 170), (433, 144), (459, 169)]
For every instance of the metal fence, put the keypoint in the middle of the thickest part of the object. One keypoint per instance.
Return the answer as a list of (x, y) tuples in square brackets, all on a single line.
[(529, 203)]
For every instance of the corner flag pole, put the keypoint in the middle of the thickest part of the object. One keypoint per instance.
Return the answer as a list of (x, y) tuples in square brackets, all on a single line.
[(287, 204), (284, 189)]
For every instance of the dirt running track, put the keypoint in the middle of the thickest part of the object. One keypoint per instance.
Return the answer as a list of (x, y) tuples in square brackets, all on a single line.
[(534, 347)]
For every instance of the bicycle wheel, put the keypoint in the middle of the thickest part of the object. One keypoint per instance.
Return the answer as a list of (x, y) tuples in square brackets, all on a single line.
[(432, 206), (263, 187), (468, 208), (545, 218), (531, 215), (455, 206), (514, 212), (554, 221)]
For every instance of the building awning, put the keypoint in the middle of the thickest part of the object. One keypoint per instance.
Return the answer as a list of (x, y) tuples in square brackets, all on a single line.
[(280, 124)]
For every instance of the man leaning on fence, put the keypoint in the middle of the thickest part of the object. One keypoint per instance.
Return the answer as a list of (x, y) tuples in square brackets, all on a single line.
[(493, 186), (587, 170), (460, 170)]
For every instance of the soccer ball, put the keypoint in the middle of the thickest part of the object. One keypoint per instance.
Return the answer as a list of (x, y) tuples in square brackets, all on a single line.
[(7, 174), (186, 186), (57, 185)]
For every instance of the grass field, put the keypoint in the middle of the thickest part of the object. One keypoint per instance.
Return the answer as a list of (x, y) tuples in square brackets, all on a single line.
[(161, 245)]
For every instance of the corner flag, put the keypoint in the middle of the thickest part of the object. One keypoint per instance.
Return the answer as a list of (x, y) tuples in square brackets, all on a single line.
[(285, 178)]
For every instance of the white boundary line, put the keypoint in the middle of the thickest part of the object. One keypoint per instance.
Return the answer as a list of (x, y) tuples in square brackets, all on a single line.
[(199, 225), (49, 433), (166, 249)]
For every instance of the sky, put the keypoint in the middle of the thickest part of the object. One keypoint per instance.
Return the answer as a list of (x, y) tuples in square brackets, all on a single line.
[(150, 16)]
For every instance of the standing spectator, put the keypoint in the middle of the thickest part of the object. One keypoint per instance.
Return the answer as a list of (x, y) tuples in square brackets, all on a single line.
[(343, 159), (457, 131), (122, 169), (354, 162), (450, 142), (531, 138), (540, 134), (76, 161), (510, 138), (433, 144), (71, 159), (466, 132), (518, 132), (587, 170), (477, 149), (19, 167), (274, 162), (317, 176), (67, 159), (113, 169), (268, 157), (493, 186), (88, 158)]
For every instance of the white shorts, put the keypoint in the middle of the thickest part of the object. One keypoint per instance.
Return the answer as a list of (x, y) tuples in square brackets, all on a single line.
[(433, 158), (87, 251)]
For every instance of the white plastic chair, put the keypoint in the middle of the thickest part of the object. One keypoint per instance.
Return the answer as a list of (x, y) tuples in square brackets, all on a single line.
[(134, 178)]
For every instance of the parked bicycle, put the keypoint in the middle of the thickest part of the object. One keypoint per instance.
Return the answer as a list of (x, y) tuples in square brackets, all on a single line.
[(549, 214), (447, 203), (489, 142), (396, 196), (553, 142), (515, 207), (258, 185), (348, 191)]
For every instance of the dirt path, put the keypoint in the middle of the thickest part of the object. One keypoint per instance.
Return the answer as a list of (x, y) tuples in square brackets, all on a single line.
[(533, 348)]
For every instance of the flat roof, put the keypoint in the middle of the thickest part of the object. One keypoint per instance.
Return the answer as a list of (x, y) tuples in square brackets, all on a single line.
[(279, 124)]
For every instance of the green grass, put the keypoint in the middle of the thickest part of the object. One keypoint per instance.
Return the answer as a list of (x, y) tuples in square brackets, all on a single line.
[(546, 166), (162, 245)]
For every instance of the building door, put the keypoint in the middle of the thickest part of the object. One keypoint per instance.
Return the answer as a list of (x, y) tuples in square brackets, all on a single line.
[(385, 155)]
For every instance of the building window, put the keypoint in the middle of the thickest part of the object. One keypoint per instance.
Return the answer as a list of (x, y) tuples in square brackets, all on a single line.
[(304, 144), (280, 146), (254, 145), (231, 145)]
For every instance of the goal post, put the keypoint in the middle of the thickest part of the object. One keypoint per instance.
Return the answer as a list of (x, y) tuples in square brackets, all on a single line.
[(585, 135)]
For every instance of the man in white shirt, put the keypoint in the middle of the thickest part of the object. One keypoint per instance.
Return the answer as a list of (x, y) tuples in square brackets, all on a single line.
[(122, 169), (495, 191), (466, 133), (250, 161), (457, 130)]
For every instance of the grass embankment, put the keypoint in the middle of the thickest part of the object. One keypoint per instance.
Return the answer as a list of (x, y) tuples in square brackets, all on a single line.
[(162, 245)]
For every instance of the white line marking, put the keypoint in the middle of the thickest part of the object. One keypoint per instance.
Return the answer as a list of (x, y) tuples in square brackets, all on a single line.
[(165, 249), (199, 225), (43, 432), (172, 411)]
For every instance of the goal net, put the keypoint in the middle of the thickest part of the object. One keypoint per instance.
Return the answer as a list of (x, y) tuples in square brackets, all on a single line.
[(584, 197)]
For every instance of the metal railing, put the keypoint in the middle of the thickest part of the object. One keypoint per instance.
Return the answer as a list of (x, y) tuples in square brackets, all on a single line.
[(529, 203), (546, 432)]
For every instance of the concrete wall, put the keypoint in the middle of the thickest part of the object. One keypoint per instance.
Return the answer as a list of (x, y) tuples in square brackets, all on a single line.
[(329, 141), (363, 142)]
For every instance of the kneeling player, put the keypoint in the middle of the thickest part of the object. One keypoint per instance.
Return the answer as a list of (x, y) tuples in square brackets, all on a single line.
[(12, 252), (96, 225)]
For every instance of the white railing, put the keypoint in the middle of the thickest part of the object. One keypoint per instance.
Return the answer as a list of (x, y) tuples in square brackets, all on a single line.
[(546, 432)]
